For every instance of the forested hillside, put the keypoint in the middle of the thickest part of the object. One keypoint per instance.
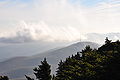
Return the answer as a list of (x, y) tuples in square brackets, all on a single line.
[(92, 64)]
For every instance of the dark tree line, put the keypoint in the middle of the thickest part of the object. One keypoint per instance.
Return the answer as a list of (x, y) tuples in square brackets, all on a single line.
[(95, 64)]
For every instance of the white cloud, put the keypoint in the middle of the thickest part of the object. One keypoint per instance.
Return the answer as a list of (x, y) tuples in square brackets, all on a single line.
[(100, 38), (27, 32), (61, 20)]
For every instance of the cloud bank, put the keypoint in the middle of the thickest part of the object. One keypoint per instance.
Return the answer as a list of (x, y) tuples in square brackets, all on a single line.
[(56, 20), (40, 31), (27, 32)]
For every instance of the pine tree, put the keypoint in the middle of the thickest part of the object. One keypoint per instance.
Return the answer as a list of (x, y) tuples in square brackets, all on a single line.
[(107, 41), (85, 67), (87, 49), (60, 70), (43, 72)]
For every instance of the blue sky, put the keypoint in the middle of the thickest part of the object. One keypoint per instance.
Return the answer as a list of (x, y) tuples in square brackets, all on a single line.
[(83, 2), (91, 2), (88, 2)]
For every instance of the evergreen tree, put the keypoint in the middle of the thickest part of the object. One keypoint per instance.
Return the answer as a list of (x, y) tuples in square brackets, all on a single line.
[(95, 64), (43, 72), (87, 49), (98, 64), (112, 64), (107, 41)]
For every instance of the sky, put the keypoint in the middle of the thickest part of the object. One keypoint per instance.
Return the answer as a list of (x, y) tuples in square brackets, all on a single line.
[(57, 20)]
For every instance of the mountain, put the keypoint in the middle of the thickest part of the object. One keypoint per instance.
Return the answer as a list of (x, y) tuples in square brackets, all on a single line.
[(19, 66), (9, 50), (27, 49)]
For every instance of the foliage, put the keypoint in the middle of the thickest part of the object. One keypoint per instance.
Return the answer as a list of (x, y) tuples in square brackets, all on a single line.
[(89, 64), (42, 72), (4, 78), (28, 78), (101, 64)]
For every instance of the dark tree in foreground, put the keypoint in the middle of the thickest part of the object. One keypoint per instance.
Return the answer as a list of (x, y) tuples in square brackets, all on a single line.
[(4, 78), (42, 72), (100, 64), (80, 68), (112, 65)]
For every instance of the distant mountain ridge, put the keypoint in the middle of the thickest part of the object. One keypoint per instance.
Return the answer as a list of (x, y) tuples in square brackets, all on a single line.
[(27, 49), (19, 66), (9, 50)]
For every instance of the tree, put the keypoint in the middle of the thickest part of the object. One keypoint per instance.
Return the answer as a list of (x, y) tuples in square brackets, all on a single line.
[(101, 64), (112, 64), (43, 72), (4, 78), (107, 41), (87, 49), (79, 68)]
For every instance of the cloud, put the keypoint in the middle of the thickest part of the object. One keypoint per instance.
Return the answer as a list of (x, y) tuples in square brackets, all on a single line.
[(40, 31), (100, 38), (56, 20)]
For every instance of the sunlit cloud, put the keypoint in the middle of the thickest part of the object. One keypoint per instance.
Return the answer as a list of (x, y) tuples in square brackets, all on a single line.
[(57, 20)]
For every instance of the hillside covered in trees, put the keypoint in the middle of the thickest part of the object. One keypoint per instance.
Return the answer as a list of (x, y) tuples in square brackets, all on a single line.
[(89, 64)]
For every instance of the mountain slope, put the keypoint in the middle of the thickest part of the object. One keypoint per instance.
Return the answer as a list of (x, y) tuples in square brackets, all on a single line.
[(27, 49), (18, 67)]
